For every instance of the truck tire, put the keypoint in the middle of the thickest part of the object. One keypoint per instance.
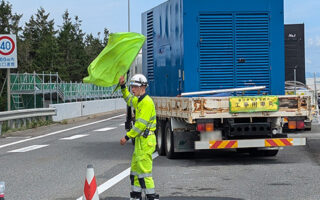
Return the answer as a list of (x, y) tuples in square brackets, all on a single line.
[(169, 142), (160, 135)]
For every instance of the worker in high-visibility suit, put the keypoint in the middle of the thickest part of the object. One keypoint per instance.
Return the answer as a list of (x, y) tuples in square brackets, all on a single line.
[(143, 133)]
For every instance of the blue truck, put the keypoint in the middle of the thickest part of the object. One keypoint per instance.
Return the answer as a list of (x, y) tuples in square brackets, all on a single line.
[(227, 47)]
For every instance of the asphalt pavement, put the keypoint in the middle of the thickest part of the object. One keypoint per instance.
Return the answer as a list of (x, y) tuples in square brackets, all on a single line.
[(50, 163)]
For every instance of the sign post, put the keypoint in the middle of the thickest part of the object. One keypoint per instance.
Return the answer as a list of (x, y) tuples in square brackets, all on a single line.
[(8, 59), (8, 90)]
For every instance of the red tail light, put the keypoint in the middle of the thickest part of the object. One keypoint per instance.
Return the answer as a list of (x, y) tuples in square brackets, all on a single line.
[(300, 124), (201, 127)]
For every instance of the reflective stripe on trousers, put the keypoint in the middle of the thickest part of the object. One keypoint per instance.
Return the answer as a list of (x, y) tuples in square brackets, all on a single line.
[(141, 164), (142, 182)]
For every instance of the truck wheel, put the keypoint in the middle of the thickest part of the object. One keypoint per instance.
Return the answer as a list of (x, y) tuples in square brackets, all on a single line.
[(169, 145), (160, 133)]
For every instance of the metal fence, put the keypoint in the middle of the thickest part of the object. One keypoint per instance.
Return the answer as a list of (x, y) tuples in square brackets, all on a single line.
[(20, 118), (34, 90)]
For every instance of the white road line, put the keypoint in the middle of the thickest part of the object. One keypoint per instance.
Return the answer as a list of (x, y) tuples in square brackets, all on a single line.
[(121, 124), (29, 148), (105, 129), (57, 132), (74, 137), (108, 184)]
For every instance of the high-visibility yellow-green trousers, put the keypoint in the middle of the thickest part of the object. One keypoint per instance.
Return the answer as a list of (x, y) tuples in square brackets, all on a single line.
[(141, 164)]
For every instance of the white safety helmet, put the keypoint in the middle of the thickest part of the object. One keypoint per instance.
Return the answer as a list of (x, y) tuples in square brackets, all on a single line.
[(139, 80)]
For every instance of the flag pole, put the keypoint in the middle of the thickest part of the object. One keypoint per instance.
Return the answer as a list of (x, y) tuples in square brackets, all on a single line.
[(128, 124)]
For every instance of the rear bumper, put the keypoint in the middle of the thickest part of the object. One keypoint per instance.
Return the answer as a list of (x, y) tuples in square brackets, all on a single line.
[(250, 143)]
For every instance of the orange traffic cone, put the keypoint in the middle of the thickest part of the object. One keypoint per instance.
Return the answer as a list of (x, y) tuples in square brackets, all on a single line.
[(90, 185)]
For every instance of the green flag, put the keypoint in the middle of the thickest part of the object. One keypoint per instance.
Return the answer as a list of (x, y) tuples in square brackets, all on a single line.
[(115, 59)]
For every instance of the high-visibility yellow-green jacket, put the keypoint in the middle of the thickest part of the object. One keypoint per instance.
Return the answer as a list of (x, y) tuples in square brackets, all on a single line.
[(141, 164), (145, 116)]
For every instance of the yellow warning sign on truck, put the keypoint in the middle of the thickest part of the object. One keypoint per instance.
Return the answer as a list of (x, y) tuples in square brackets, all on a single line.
[(253, 104)]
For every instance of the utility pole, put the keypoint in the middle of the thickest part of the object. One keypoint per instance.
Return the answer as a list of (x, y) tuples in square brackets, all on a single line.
[(315, 89), (128, 15)]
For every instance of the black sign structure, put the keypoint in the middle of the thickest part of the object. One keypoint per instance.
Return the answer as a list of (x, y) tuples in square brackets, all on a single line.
[(294, 52)]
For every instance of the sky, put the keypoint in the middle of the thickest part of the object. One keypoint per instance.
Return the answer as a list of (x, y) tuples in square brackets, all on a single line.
[(113, 15)]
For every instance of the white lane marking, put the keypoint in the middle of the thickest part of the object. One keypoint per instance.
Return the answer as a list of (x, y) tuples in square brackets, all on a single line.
[(57, 132), (29, 148), (121, 124), (74, 137), (105, 129), (108, 184)]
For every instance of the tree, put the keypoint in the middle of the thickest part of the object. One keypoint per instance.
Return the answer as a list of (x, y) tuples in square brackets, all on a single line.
[(9, 23), (68, 50), (94, 45), (72, 55), (106, 37), (40, 44)]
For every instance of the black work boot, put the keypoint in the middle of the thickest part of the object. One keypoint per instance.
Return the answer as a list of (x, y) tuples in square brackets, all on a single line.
[(152, 197), (135, 196)]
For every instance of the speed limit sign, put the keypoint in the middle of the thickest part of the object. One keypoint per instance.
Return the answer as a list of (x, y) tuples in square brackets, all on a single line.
[(8, 51)]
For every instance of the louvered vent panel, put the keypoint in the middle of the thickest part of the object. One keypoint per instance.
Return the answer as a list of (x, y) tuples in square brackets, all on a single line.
[(216, 51), (252, 50), (150, 62)]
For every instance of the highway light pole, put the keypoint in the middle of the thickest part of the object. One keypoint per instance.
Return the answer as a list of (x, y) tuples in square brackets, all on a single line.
[(128, 15)]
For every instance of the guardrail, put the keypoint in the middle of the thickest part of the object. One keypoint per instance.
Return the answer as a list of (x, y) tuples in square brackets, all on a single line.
[(21, 117)]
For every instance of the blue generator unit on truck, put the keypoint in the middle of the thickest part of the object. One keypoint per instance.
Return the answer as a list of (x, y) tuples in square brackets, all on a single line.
[(199, 45)]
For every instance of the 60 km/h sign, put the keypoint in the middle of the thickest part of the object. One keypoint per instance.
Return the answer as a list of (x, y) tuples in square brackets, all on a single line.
[(8, 51)]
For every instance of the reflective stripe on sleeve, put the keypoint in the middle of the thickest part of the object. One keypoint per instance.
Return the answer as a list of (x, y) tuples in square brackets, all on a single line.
[(128, 97), (142, 121), (145, 122), (131, 101), (137, 130)]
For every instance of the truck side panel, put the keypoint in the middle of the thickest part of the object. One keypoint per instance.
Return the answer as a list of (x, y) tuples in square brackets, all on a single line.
[(163, 50), (213, 44)]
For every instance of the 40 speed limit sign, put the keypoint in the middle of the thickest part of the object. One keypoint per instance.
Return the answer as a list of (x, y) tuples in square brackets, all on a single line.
[(8, 51)]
